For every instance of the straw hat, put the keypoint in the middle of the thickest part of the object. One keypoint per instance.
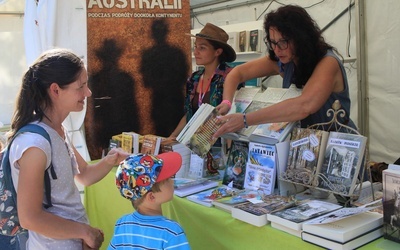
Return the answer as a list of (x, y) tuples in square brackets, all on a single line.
[(216, 34)]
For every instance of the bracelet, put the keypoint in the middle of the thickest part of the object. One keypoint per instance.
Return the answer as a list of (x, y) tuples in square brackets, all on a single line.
[(227, 102), (244, 120)]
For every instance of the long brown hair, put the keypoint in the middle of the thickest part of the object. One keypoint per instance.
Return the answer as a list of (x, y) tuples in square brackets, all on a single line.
[(59, 66)]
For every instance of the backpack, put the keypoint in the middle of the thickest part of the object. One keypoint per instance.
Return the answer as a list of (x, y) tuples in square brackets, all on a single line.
[(9, 222)]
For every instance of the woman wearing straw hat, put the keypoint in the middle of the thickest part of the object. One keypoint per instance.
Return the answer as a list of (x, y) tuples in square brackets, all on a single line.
[(212, 51)]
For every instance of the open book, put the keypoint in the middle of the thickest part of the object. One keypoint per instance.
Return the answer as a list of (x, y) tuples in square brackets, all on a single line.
[(266, 133), (199, 130)]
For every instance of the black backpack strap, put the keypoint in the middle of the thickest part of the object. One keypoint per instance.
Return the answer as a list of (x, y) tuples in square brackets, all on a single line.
[(33, 128)]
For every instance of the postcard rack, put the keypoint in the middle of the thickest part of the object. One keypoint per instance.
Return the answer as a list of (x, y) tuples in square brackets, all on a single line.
[(310, 179)]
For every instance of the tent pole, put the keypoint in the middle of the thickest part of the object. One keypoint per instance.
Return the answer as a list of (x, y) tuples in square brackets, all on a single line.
[(362, 83)]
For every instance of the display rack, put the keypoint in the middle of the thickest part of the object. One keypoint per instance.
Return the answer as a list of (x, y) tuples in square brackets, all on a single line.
[(309, 178)]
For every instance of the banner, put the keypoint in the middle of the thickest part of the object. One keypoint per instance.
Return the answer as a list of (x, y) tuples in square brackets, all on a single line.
[(138, 63)]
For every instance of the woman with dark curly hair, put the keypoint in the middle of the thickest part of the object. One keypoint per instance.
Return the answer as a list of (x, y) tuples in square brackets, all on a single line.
[(299, 53)]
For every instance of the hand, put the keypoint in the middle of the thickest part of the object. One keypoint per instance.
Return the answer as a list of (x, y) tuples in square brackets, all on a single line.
[(115, 156), (230, 123), (96, 238), (223, 108)]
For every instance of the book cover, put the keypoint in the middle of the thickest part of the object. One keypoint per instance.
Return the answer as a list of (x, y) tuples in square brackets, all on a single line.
[(195, 188), (151, 144), (242, 41), (391, 204), (343, 160), (347, 229), (198, 132), (255, 40), (236, 164), (206, 197), (295, 216), (306, 154), (349, 245), (233, 40), (260, 168)]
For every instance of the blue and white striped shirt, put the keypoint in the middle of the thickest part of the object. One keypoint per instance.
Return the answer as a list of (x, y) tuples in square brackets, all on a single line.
[(137, 231)]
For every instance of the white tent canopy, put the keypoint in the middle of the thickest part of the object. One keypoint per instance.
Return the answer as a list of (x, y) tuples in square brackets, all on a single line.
[(63, 24)]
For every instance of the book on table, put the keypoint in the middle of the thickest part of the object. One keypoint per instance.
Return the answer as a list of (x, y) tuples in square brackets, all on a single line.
[(344, 157), (172, 145), (391, 204), (294, 217), (347, 229), (306, 154), (227, 203), (186, 186), (255, 213), (236, 164), (151, 144), (199, 130), (261, 167), (206, 197), (349, 245)]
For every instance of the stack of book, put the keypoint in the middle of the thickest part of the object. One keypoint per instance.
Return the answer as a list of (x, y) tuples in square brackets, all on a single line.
[(257, 213), (348, 233)]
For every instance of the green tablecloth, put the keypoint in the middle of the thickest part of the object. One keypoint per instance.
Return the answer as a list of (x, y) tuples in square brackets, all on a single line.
[(206, 228)]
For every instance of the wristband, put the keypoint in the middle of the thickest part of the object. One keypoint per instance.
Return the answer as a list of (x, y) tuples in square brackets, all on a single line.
[(244, 120), (227, 102)]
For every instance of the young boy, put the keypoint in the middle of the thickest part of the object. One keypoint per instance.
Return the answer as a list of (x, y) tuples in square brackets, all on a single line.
[(146, 181)]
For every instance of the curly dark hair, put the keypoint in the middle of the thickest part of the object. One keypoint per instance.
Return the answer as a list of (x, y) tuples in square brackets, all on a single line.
[(296, 25)]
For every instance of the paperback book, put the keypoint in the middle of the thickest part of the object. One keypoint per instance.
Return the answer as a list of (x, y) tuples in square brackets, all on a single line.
[(260, 168), (185, 190), (255, 37), (206, 197), (344, 157), (198, 132), (271, 133), (172, 145), (130, 142), (151, 144), (306, 153), (240, 197), (236, 164), (391, 204), (261, 100), (345, 212), (294, 217)]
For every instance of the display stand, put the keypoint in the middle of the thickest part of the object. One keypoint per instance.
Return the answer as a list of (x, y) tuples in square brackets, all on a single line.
[(311, 179)]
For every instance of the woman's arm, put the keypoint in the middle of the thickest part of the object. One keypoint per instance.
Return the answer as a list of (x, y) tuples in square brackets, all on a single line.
[(92, 173), (325, 79), (31, 213), (256, 68)]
